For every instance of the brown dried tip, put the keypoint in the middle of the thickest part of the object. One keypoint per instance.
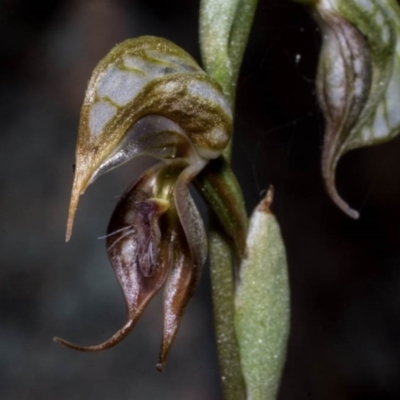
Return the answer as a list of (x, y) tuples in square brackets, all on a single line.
[(266, 202)]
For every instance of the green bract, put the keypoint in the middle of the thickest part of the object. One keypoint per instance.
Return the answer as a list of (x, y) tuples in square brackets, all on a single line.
[(262, 315)]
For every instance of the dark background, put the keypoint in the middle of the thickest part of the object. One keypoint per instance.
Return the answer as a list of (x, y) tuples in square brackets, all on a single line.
[(344, 274)]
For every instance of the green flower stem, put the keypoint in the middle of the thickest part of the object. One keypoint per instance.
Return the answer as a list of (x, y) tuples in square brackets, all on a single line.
[(223, 289), (220, 189), (224, 31)]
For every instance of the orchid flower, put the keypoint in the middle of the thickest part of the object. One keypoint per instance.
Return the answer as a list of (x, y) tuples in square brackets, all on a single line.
[(149, 97)]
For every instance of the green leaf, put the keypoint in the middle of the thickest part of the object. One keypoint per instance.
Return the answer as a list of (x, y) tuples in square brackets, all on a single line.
[(262, 305), (358, 83)]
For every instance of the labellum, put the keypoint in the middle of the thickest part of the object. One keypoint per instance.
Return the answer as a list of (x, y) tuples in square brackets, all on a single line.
[(148, 96), (358, 82)]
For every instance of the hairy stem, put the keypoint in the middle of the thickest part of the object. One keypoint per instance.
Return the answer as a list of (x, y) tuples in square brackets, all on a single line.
[(223, 289), (224, 31)]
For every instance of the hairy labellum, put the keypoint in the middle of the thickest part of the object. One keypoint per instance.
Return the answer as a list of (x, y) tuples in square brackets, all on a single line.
[(148, 96), (358, 81)]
